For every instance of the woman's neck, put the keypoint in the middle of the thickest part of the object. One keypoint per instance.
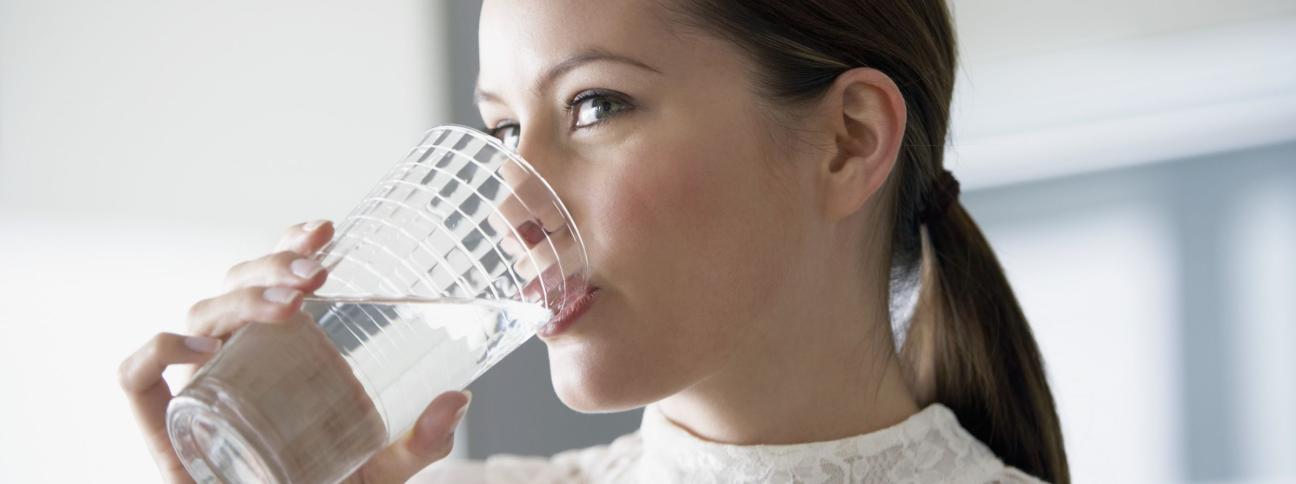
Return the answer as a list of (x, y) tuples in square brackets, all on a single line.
[(819, 375)]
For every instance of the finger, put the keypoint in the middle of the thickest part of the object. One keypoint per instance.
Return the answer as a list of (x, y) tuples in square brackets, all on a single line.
[(143, 369), (430, 440), (306, 238), (222, 315), (140, 376), (284, 268)]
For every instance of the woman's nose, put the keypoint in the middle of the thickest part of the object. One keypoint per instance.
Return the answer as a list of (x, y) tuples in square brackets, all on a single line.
[(529, 198), (536, 219)]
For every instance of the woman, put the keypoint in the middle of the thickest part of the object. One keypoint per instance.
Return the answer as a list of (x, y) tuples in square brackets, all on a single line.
[(762, 189)]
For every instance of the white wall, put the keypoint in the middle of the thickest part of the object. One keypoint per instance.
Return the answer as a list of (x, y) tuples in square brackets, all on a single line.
[(210, 110), (1100, 289), (1052, 92), (147, 145), (1263, 280), (1161, 300), (991, 30), (1049, 89)]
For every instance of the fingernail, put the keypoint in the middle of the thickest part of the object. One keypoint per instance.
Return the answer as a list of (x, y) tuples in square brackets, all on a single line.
[(464, 409), (313, 224), (280, 295), (305, 268), (202, 344)]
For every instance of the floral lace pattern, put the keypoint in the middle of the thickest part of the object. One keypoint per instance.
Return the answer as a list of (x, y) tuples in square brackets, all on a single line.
[(927, 448)]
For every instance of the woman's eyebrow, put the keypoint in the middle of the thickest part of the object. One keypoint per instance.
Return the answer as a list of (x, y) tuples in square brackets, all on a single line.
[(553, 73)]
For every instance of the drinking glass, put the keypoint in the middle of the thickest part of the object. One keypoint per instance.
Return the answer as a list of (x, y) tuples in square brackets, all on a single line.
[(451, 262)]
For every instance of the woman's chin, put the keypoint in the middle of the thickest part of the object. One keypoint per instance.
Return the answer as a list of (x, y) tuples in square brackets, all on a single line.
[(593, 389)]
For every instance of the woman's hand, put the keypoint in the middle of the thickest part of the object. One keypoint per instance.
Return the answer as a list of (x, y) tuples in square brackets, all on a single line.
[(269, 290)]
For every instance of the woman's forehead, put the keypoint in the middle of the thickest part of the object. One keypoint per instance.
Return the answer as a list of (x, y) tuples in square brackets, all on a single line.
[(520, 39)]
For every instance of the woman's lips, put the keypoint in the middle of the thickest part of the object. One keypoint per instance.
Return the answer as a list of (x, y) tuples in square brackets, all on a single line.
[(551, 288), (568, 315), (569, 297)]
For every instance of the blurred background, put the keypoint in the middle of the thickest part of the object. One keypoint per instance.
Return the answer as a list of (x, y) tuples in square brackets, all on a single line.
[(1133, 162)]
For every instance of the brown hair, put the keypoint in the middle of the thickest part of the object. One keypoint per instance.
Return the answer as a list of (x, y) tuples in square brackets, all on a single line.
[(970, 347)]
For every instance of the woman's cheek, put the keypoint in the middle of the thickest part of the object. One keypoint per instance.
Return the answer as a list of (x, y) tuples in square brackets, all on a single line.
[(656, 205)]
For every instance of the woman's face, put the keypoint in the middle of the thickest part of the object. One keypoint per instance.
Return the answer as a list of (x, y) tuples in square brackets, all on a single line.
[(694, 215)]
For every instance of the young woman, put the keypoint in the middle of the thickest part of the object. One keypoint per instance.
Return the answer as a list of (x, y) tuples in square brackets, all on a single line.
[(786, 278)]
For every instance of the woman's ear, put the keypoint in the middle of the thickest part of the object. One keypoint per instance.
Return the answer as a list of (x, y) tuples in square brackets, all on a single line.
[(865, 113)]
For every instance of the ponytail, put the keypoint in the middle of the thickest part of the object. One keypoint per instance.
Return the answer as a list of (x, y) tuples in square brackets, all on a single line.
[(977, 350), (969, 346)]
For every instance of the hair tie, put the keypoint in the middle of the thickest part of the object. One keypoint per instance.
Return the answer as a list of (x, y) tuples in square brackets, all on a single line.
[(944, 194)]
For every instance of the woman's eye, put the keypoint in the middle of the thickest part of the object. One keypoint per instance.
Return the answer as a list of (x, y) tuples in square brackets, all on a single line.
[(508, 133), (595, 108)]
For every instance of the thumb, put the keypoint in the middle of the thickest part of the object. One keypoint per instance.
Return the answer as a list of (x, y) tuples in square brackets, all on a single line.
[(429, 441)]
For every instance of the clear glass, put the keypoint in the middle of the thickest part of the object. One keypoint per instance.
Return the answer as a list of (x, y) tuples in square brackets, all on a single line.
[(449, 264)]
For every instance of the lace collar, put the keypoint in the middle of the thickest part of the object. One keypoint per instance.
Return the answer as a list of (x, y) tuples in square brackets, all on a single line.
[(928, 447)]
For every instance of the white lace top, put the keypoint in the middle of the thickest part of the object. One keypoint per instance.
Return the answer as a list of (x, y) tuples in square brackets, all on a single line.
[(928, 447)]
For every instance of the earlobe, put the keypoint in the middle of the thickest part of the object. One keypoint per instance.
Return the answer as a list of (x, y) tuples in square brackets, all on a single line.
[(866, 114)]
